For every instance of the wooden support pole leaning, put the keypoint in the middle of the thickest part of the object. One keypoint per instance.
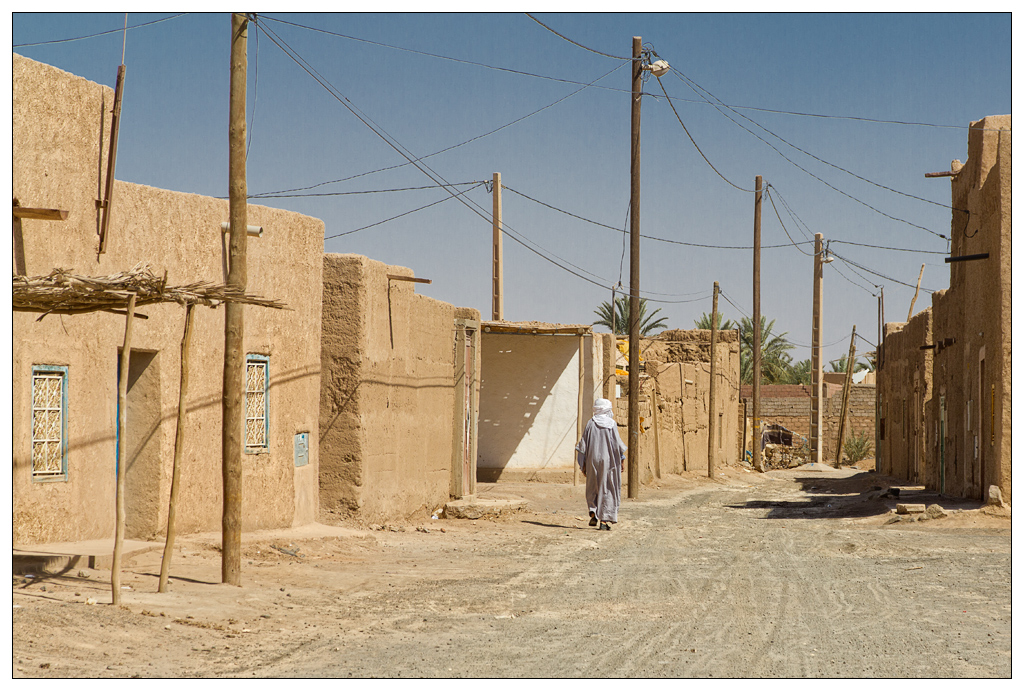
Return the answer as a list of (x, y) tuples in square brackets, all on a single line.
[(122, 416), (654, 423), (916, 291), (712, 418), (108, 193), (633, 453), (234, 326), (846, 394), (179, 446), (756, 434), (579, 414), (497, 271)]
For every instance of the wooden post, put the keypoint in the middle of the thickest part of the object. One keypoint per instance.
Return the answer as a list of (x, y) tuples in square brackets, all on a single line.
[(122, 461), (579, 414), (712, 418), (916, 291), (816, 435), (657, 434), (743, 448), (758, 465), (234, 327), (633, 488), (497, 277), (846, 394), (682, 416), (108, 194), (179, 444)]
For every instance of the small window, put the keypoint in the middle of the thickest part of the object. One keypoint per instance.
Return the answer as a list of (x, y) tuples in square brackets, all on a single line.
[(49, 422), (257, 417)]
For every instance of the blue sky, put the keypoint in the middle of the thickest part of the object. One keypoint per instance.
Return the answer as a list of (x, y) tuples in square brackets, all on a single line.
[(943, 70)]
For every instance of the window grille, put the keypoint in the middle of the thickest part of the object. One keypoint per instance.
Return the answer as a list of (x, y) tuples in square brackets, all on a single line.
[(49, 422), (256, 411)]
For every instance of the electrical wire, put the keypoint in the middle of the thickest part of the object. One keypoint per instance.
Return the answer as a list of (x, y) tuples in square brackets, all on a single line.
[(769, 195), (454, 146), (645, 237), (875, 273), (273, 195), (607, 55), (102, 33), (695, 88), (881, 247), (411, 211), (672, 106)]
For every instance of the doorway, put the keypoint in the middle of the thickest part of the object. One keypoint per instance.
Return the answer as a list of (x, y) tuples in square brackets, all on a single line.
[(142, 444)]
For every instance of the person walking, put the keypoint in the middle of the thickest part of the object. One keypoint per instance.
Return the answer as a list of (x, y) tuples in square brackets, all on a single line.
[(601, 456)]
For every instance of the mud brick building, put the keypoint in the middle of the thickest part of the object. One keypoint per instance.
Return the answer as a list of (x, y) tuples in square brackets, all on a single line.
[(65, 367), (959, 404)]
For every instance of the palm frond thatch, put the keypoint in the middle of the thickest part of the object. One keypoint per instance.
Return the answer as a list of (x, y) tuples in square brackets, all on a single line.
[(61, 292)]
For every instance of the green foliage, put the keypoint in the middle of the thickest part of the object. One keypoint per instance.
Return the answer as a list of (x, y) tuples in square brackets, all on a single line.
[(775, 361), (621, 326), (800, 373), (840, 365), (857, 447), (705, 322)]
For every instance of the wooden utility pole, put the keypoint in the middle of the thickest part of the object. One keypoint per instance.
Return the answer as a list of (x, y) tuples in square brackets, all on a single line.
[(234, 327), (633, 488), (916, 291), (816, 364), (712, 418), (122, 460), (878, 389), (115, 120), (497, 275), (846, 394), (756, 434), (179, 448)]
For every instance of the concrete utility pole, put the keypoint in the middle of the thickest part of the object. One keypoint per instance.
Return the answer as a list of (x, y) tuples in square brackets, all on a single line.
[(497, 276), (816, 364), (633, 453), (756, 434), (712, 417), (846, 394), (234, 327)]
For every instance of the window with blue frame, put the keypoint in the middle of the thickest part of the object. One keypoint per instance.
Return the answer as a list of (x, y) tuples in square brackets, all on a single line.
[(49, 422), (257, 412)]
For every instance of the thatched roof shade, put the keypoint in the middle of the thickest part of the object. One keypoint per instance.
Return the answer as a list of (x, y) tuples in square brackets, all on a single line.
[(62, 292)]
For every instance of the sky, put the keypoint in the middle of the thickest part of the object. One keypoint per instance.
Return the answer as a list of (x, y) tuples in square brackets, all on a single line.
[(500, 92)]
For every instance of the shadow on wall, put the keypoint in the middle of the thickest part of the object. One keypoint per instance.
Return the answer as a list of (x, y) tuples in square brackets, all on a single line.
[(518, 377)]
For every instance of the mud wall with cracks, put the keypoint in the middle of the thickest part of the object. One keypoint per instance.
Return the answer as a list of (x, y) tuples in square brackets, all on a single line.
[(60, 129)]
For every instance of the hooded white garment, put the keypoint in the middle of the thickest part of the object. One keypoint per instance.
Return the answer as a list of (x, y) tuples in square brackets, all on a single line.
[(600, 453)]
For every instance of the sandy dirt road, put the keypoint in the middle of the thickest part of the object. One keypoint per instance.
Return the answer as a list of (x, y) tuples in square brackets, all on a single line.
[(786, 574)]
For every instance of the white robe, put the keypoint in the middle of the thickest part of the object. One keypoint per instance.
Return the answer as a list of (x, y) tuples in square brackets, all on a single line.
[(600, 453)]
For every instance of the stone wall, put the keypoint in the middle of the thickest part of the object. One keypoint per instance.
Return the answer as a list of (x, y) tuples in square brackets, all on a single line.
[(387, 394), (60, 128)]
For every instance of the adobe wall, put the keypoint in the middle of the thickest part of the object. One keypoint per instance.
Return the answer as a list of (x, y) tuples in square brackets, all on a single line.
[(386, 401), (980, 291), (59, 121), (679, 366), (906, 377), (528, 402)]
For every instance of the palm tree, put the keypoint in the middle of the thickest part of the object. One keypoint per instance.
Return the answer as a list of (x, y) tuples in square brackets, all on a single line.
[(800, 373), (775, 361), (840, 365), (705, 322), (621, 324)]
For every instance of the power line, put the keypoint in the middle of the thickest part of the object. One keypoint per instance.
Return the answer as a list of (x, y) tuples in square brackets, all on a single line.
[(274, 195), (672, 106), (102, 33), (769, 195), (566, 38), (646, 237), (411, 211), (875, 273), (454, 146), (881, 247), (695, 88)]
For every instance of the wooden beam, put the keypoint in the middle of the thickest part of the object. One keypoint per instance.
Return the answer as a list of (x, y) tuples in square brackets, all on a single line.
[(41, 214), (411, 279)]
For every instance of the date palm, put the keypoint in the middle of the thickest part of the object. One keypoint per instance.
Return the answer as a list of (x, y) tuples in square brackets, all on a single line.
[(621, 317), (775, 361)]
